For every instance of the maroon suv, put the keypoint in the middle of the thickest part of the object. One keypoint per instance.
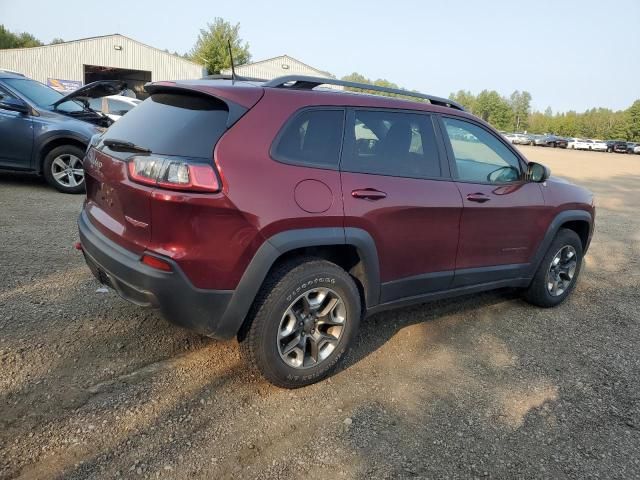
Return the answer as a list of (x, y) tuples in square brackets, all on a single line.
[(282, 214)]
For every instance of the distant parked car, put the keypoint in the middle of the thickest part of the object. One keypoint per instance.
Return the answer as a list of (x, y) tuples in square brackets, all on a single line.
[(617, 146), (631, 146), (598, 145), (577, 143), (537, 140), (114, 106), (636, 149), (518, 138), (553, 141)]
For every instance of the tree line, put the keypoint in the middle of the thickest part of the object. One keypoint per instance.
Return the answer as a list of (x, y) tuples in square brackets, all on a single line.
[(511, 113), (515, 114)]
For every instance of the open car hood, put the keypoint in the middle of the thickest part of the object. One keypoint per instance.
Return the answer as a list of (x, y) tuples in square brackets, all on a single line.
[(101, 88)]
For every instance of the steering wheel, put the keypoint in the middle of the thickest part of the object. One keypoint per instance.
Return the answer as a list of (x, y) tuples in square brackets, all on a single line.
[(504, 175)]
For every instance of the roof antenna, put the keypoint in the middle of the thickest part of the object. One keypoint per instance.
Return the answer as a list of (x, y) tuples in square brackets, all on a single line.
[(233, 70)]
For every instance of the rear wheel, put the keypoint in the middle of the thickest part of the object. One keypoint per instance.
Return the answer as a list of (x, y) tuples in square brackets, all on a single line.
[(62, 168), (558, 272), (301, 323)]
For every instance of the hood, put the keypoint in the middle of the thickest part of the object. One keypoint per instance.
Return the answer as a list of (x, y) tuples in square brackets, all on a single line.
[(101, 88)]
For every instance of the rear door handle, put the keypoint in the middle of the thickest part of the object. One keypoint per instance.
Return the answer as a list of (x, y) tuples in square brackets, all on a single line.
[(478, 197), (368, 194)]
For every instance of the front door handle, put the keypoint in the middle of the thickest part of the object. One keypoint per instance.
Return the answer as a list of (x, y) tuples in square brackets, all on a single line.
[(368, 194), (478, 197)]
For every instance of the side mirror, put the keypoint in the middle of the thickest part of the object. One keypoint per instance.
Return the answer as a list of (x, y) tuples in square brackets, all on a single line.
[(536, 172), (14, 105)]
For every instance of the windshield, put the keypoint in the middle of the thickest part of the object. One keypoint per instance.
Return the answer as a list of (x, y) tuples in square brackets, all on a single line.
[(41, 95)]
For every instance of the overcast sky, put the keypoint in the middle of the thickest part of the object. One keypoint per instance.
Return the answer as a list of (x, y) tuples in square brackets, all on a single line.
[(570, 55)]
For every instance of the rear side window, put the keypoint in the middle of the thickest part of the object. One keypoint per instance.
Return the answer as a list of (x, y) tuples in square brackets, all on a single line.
[(312, 138), (174, 124), (392, 143)]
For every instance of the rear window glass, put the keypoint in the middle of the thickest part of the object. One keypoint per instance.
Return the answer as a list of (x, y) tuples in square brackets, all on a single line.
[(174, 124), (312, 138)]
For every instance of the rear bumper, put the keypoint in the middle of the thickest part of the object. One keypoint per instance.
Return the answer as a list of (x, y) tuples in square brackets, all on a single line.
[(179, 301)]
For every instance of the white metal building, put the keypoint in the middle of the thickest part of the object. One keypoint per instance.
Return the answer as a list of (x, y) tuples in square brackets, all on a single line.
[(69, 65), (277, 67)]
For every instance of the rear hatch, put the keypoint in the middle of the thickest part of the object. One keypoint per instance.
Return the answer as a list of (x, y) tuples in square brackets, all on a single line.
[(174, 124)]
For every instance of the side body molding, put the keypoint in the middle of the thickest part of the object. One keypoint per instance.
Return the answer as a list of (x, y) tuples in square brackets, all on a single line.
[(287, 241)]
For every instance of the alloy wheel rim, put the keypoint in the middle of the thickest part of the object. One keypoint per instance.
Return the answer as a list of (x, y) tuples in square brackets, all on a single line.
[(67, 170), (311, 328), (562, 270)]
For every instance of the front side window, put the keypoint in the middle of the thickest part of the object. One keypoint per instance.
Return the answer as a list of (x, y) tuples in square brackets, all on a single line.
[(392, 143), (312, 138), (480, 157)]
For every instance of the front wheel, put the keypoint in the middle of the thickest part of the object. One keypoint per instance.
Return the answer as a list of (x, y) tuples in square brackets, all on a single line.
[(558, 272), (302, 322), (63, 170)]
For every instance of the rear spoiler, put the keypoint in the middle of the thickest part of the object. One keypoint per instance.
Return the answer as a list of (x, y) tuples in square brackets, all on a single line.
[(239, 100)]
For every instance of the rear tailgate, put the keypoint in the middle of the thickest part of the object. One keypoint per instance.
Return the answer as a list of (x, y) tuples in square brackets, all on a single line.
[(179, 120), (116, 206)]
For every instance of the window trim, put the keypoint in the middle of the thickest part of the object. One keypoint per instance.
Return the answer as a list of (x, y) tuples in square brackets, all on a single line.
[(452, 158), (347, 143), (292, 118)]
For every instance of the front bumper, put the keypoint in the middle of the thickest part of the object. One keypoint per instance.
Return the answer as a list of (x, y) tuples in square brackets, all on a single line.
[(179, 301)]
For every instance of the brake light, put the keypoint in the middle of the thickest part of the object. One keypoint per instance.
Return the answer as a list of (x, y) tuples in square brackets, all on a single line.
[(155, 262), (174, 174)]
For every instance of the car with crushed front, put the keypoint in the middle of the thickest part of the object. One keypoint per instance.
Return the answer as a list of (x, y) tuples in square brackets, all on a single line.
[(282, 214)]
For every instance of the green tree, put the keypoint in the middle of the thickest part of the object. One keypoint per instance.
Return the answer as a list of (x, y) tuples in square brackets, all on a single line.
[(466, 99), (633, 121), (19, 40), (491, 107), (521, 105), (212, 50), (57, 40)]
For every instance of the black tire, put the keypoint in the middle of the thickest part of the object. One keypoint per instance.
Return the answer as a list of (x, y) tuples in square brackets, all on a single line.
[(49, 169), (538, 291), (259, 342)]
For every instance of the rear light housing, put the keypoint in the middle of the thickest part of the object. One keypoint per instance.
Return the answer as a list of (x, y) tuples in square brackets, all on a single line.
[(173, 173)]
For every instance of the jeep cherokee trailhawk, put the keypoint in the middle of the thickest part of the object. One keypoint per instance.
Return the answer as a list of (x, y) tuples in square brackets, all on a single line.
[(282, 214)]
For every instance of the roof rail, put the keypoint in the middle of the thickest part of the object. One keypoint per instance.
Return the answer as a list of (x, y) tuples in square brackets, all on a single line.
[(309, 83)]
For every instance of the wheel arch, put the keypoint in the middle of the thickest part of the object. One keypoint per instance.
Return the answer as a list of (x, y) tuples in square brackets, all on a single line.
[(351, 248), (579, 221), (54, 142)]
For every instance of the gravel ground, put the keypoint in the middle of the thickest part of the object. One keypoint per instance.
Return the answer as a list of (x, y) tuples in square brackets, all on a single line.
[(482, 386)]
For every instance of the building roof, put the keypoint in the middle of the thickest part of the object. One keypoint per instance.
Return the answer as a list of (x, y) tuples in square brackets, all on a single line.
[(279, 66), (98, 37)]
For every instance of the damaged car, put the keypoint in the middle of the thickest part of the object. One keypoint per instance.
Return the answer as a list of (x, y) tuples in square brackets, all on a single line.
[(45, 132)]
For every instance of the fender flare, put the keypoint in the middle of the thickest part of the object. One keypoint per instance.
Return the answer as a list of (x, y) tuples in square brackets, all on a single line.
[(283, 242), (560, 219), (44, 143)]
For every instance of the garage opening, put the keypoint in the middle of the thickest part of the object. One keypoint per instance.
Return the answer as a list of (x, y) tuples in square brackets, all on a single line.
[(135, 79)]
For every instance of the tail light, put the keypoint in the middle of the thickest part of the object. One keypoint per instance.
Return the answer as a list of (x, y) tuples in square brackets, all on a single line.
[(174, 174)]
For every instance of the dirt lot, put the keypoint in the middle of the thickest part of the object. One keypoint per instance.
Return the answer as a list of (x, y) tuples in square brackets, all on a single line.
[(482, 386)]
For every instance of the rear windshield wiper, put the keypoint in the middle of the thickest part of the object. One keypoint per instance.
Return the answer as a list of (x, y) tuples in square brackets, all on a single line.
[(124, 146)]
